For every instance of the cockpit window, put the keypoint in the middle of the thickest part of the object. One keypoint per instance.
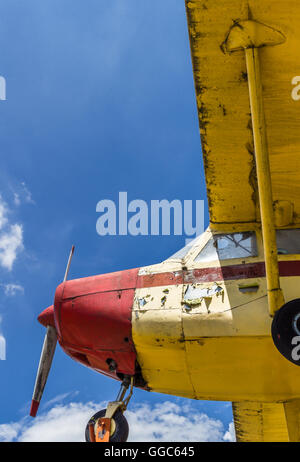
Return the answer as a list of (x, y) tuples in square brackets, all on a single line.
[(227, 246), (288, 241)]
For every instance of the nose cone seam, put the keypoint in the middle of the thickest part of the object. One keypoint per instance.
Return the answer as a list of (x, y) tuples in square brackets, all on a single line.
[(57, 306), (46, 317)]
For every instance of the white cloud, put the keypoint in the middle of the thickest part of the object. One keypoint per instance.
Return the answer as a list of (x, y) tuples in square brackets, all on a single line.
[(23, 195), (8, 432), (165, 421), (169, 422), (61, 423), (230, 434), (17, 200), (11, 238), (2, 349), (27, 194), (11, 243), (3, 212), (12, 289), (59, 399)]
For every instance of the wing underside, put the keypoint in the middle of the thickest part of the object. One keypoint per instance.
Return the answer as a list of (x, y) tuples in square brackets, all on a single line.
[(224, 110), (267, 422)]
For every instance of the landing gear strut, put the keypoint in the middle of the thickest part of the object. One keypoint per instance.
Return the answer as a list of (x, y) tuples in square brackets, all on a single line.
[(110, 424)]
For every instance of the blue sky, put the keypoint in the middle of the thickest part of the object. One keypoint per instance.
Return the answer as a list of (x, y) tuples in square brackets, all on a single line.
[(100, 99)]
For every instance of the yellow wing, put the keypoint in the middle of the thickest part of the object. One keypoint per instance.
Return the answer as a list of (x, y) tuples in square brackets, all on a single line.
[(267, 422), (224, 111), (225, 37)]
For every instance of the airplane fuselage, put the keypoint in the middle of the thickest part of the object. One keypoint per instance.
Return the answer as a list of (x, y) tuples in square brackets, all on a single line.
[(198, 329)]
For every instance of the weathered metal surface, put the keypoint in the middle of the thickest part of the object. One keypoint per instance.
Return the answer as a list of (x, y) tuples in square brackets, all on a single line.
[(206, 351), (101, 283), (259, 422), (292, 415), (46, 358), (249, 36), (224, 109), (194, 295), (93, 320), (182, 327)]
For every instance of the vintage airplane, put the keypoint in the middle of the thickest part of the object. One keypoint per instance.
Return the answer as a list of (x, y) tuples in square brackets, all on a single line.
[(220, 319)]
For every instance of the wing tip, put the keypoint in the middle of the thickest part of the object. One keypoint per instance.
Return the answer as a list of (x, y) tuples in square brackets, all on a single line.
[(34, 407)]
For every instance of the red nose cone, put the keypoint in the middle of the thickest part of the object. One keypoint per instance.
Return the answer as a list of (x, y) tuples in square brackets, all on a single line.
[(93, 321), (47, 317)]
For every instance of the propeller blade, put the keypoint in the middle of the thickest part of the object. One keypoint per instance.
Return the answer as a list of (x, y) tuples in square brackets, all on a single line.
[(44, 368), (46, 355)]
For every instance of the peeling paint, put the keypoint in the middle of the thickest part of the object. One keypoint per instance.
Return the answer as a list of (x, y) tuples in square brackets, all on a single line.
[(194, 296), (142, 302), (143, 271), (163, 300)]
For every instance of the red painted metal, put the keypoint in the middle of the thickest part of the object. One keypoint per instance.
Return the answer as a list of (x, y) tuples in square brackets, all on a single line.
[(92, 315), (46, 318), (223, 273), (289, 268), (93, 321), (160, 279), (232, 272), (119, 280), (34, 407)]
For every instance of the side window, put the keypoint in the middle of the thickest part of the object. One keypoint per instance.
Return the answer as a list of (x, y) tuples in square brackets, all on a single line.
[(227, 246), (288, 241)]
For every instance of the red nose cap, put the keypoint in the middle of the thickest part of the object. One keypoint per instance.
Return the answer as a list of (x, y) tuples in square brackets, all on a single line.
[(47, 317)]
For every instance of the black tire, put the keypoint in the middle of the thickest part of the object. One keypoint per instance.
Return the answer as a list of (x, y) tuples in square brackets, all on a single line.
[(120, 434), (285, 329)]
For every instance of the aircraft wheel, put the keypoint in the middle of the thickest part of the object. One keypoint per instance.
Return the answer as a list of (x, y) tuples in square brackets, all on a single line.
[(119, 428), (286, 330)]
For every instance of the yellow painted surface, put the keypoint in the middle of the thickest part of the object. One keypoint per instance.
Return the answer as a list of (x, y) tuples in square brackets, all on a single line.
[(157, 334), (292, 415), (221, 347), (214, 356), (257, 422), (224, 109)]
